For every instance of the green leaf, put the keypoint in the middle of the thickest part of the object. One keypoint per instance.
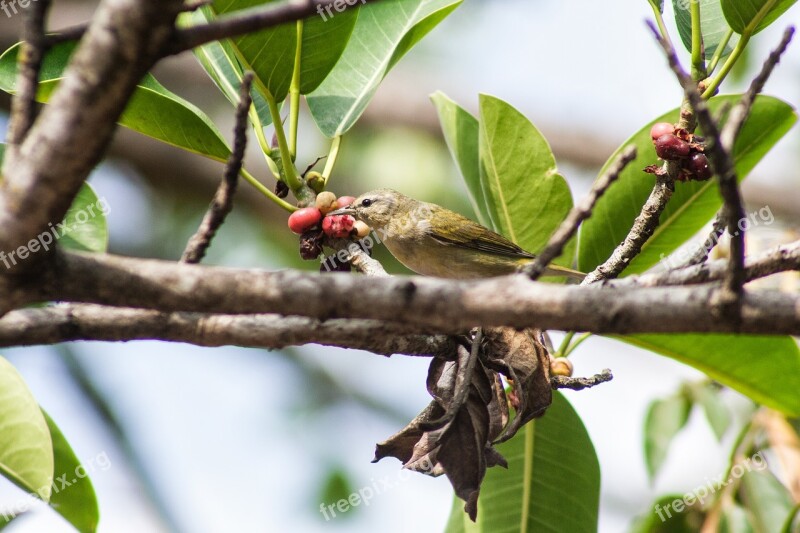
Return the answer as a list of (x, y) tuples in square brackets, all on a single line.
[(753, 16), (664, 419), (153, 110), (713, 26), (86, 220), (669, 514), (657, 4), (270, 54), (552, 482), (385, 31), (692, 205), (336, 487), (717, 413), (73, 496), (26, 449), (769, 502), (764, 368), (461, 134), (526, 197), (734, 520), (219, 60)]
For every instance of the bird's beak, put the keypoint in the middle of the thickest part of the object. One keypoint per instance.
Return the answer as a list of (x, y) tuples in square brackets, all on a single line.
[(349, 210)]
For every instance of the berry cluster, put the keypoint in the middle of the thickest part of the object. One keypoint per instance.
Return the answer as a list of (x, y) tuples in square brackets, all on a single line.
[(677, 144), (313, 224)]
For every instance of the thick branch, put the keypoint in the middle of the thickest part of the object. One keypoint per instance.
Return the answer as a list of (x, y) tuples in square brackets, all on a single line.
[(438, 305), (70, 135), (65, 323)]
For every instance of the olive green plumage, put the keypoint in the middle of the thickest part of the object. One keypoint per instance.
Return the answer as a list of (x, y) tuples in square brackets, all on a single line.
[(434, 241)]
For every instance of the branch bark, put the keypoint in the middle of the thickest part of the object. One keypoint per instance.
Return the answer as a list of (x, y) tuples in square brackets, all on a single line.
[(437, 305)]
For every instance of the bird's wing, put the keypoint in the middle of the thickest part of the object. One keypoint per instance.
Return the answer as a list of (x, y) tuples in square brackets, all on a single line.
[(469, 234)]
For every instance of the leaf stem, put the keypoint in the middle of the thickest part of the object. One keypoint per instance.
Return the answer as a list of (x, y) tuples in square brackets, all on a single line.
[(294, 92), (747, 32), (333, 153), (564, 344), (301, 191), (712, 64), (577, 343), (266, 192), (698, 52), (660, 22)]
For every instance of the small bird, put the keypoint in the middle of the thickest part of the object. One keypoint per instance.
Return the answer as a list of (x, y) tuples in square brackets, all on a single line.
[(434, 241)]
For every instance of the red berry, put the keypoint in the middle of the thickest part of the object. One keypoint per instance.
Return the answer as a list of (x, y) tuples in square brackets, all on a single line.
[(338, 226), (302, 219), (344, 201), (670, 147), (661, 128), (698, 165)]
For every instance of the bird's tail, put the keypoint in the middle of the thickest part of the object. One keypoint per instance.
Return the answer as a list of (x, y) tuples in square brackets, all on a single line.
[(555, 270)]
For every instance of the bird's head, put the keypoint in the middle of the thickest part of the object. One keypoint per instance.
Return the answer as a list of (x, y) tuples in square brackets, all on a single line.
[(377, 208)]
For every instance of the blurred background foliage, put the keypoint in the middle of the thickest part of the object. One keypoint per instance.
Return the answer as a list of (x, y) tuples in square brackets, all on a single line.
[(232, 439)]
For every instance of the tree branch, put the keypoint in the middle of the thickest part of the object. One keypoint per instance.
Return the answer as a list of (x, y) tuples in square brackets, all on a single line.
[(578, 214), (222, 204), (437, 305), (63, 323)]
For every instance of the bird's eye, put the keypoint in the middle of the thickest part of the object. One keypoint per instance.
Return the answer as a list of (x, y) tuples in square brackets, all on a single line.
[(366, 202)]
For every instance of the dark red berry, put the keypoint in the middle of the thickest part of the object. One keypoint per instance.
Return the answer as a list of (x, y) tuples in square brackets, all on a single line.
[(698, 165), (311, 245), (661, 128), (671, 148)]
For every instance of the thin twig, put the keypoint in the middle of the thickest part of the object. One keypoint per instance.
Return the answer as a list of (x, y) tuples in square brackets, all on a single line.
[(32, 51), (721, 161), (564, 382), (250, 20), (700, 255), (222, 204), (578, 214), (780, 259)]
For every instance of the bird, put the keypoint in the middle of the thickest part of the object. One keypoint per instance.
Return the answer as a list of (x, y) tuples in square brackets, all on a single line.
[(434, 241)]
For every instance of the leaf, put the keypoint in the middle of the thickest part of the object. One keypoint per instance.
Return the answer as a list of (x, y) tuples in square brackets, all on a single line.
[(219, 60), (741, 15), (73, 496), (713, 26), (385, 31), (734, 520), (669, 514), (552, 482), (86, 220), (764, 368), (526, 197), (270, 54), (717, 413), (26, 449), (461, 134), (769, 502), (152, 110), (692, 205), (664, 419)]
